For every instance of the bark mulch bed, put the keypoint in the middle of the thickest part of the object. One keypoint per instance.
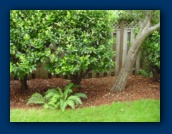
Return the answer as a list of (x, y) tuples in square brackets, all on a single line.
[(97, 90)]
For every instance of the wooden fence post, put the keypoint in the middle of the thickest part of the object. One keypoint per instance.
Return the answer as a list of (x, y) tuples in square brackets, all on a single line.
[(117, 51)]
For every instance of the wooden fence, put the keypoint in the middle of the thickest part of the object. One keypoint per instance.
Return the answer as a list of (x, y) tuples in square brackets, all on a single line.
[(123, 35)]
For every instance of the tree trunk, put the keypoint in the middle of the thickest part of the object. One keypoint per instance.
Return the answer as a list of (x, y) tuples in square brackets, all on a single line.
[(126, 69), (77, 78), (23, 82)]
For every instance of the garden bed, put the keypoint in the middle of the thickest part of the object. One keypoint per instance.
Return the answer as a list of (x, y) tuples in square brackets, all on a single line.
[(97, 90)]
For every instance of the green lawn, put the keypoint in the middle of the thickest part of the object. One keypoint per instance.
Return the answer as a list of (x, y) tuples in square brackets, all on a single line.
[(136, 111)]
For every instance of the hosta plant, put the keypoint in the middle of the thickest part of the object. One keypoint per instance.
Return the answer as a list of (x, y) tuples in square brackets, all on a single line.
[(57, 98)]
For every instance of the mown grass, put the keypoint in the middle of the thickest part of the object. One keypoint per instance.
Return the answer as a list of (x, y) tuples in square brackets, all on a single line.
[(136, 111)]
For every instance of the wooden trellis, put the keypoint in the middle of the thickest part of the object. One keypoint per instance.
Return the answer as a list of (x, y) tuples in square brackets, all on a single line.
[(124, 35)]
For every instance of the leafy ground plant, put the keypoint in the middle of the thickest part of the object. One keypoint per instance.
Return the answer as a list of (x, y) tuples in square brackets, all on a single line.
[(57, 98)]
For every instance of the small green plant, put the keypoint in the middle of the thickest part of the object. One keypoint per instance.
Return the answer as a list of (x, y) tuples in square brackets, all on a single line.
[(56, 98), (145, 73), (36, 98)]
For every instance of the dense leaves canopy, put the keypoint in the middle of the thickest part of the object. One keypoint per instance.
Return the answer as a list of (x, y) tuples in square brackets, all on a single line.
[(69, 41), (80, 40), (27, 39)]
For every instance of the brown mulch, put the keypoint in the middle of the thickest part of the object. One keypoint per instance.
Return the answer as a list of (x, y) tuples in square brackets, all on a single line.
[(97, 90)]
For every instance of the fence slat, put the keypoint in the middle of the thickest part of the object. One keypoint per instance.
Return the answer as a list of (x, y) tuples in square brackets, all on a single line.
[(117, 52), (132, 36), (124, 45)]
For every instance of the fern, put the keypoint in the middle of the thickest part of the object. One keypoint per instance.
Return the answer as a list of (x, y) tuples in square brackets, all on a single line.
[(56, 98), (36, 98)]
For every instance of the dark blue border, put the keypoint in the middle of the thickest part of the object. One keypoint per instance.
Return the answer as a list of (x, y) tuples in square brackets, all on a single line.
[(166, 67)]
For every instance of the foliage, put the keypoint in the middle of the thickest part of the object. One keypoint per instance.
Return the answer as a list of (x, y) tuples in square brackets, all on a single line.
[(27, 38), (145, 73), (70, 41), (11, 67), (36, 98), (136, 15), (56, 98), (151, 52), (81, 41)]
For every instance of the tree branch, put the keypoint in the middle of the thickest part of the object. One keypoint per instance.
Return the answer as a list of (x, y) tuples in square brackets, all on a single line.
[(86, 72), (143, 24), (153, 28)]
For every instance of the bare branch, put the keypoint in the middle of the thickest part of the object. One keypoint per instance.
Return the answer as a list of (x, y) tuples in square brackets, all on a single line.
[(153, 28)]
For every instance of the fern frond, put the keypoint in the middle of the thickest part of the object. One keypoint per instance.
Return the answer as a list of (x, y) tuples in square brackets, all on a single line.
[(69, 86), (67, 92), (57, 105), (50, 93), (55, 98), (60, 91), (75, 99), (67, 103), (70, 103), (36, 98), (48, 106), (81, 95), (62, 105), (49, 96)]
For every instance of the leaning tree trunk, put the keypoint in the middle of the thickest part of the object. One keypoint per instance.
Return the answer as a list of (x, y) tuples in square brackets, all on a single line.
[(23, 82), (126, 69)]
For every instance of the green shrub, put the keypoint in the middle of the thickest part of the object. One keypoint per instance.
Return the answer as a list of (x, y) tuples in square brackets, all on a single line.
[(56, 98), (150, 54), (27, 39), (69, 42), (81, 41)]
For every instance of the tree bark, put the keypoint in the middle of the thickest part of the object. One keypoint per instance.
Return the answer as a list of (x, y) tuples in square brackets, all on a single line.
[(76, 78), (126, 69), (23, 82)]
